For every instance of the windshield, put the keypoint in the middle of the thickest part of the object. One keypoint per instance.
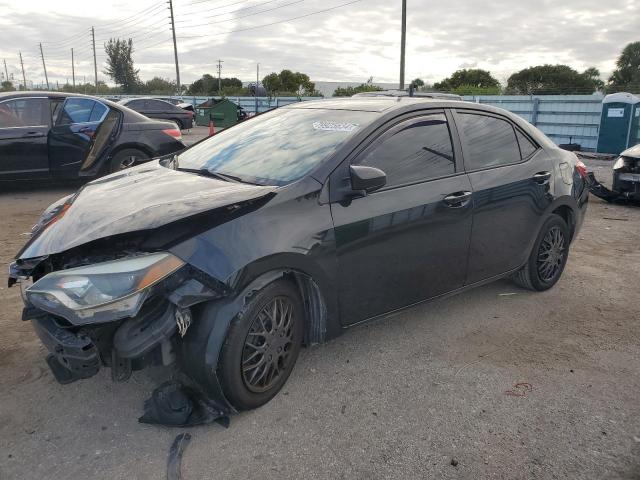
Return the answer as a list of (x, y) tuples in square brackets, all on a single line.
[(277, 147)]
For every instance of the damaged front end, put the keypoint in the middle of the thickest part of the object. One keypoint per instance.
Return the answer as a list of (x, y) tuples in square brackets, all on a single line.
[(625, 181), (123, 313)]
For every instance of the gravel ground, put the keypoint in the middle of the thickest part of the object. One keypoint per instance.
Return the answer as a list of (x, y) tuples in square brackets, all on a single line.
[(501, 382)]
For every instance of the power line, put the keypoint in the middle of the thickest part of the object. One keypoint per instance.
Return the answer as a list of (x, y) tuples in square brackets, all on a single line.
[(281, 21), (133, 15), (196, 2), (230, 12), (250, 14)]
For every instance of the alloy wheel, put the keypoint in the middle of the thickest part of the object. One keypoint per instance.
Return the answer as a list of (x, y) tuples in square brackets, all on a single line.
[(127, 162), (267, 349), (551, 254)]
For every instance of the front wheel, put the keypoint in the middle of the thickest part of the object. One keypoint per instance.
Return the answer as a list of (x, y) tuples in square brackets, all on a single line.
[(262, 346), (548, 257)]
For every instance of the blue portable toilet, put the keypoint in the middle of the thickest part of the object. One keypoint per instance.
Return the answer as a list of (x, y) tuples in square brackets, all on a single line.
[(618, 123)]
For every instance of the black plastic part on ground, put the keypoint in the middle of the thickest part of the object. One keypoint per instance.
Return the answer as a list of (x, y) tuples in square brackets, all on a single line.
[(600, 190), (175, 404), (174, 462)]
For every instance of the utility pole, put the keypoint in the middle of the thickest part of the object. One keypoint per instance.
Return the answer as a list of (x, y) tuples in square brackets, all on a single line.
[(73, 69), (95, 63), (255, 91), (24, 79), (46, 78), (175, 47), (403, 42), (6, 72), (220, 62)]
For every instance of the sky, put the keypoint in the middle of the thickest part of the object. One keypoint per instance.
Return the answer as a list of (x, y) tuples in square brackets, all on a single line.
[(351, 42)]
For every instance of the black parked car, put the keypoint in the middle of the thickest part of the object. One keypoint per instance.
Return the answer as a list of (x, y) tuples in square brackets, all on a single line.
[(58, 135), (161, 109), (289, 228)]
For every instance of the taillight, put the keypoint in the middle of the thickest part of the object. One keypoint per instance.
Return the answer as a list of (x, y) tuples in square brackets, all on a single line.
[(173, 132), (581, 168)]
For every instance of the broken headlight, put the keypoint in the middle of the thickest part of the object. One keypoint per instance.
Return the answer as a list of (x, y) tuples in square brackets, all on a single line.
[(102, 292), (620, 164)]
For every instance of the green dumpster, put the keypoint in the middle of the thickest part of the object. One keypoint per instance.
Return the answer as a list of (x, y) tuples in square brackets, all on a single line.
[(223, 112)]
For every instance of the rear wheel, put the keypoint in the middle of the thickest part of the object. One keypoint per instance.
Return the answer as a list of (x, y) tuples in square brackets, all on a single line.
[(262, 346), (548, 256), (178, 123), (126, 158)]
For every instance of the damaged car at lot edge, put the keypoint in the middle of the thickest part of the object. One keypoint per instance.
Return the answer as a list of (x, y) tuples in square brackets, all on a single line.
[(626, 178), (287, 229)]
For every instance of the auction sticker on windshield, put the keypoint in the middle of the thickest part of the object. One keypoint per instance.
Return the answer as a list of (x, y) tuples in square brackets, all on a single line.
[(335, 126)]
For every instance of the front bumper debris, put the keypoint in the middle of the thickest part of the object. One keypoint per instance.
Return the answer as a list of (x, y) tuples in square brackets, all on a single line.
[(72, 356)]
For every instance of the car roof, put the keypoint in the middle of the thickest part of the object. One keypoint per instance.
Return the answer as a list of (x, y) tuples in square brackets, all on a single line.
[(130, 115), (363, 104), (406, 93), (124, 101)]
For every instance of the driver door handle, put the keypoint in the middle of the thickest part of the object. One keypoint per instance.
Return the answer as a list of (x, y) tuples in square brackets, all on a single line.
[(542, 178), (458, 199)]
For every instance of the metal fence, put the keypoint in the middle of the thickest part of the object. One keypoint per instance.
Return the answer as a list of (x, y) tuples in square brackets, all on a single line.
[(563, 118)]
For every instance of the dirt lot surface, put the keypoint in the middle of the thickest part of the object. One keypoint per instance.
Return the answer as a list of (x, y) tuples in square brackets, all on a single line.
[(501, 382)]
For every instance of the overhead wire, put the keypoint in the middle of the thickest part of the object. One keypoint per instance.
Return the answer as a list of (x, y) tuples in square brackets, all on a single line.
[(255, 27), (248, 14)]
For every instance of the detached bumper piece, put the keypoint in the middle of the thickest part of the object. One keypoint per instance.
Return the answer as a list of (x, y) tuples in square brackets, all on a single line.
[(600, 190), (73, 357)]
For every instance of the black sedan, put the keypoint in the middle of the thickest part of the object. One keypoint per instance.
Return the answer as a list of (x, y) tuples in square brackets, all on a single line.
[(289, 228), (52, 135), (162, 110)]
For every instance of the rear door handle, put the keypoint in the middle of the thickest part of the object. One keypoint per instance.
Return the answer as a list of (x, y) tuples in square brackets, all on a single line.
[(458, 199), (33, 135), (542, 178)]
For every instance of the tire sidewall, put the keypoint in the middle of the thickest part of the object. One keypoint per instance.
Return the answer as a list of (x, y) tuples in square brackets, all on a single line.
[(230, 361), (114, 165), (537, 282)]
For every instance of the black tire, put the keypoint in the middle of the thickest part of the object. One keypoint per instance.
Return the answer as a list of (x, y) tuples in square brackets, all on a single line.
[(126, 158), (547, 259), (178, 123), (236, 357)]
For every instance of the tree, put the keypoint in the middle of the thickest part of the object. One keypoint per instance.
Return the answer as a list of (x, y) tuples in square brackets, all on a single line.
[(208, 85), (289, 83), (362, 88), (553, 80), (418, 83), (159, 86), (120, 64), (627, 74), (469, 81), (593, 74), (6, 86)]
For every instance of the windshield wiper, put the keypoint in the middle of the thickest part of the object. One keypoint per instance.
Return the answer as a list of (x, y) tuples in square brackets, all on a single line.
[(220, 176)]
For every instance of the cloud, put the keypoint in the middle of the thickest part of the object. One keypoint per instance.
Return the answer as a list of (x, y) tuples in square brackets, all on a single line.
[(346, 44)]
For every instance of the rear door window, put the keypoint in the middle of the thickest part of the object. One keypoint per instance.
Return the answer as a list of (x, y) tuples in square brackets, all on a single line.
[(414, 151), (135, 104), (488, 141), (81, 110), (24, 112), (157, 106)]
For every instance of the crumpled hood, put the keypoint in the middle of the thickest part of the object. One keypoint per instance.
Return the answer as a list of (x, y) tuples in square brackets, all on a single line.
[(633, 152), (141, 198)]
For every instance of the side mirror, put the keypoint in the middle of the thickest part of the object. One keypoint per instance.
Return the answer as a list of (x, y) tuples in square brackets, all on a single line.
[(367, 179)]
